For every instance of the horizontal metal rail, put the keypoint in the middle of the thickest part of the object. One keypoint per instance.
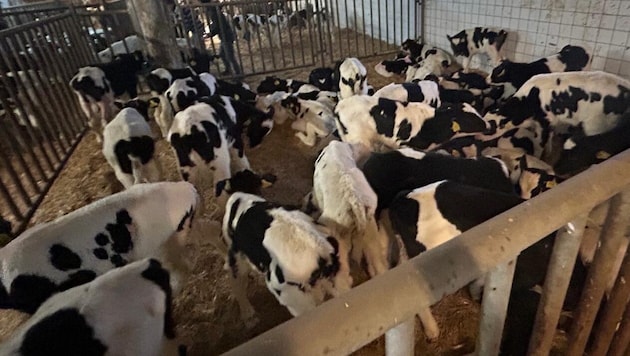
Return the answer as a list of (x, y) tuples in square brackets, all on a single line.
[(371, 309)]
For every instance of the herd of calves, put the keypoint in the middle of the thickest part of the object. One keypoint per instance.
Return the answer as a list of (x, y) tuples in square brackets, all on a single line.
[(415, 165)]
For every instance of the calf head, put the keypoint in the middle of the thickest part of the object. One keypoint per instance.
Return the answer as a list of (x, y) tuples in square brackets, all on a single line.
[(533, 181), (576, 58), (271, 84), (245, 181), (260, 126), (292, 104), (412, 47), (322, 78), (501, 73)]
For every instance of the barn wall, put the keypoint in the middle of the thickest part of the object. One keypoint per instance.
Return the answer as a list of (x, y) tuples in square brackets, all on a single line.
[(541, 27), (389, 20)]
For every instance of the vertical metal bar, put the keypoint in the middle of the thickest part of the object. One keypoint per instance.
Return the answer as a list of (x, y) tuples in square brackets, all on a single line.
[(619, 345), (56, 100), (613, 311), (380, 35), (80, 20), (309, 30), (400, 340), (364, 34), (329, 30), (26, 199), (565, 251), (339, 41), (20, 106), (36, 83), (402, 23), (292, 45), (356, 28), (612, 237), (320, 34), (301, 42), (387, 23), (372, 26), (496, 295), (423, 11), (279, 39), (347, 28), (260, 48), (409, 12), (9, 199)]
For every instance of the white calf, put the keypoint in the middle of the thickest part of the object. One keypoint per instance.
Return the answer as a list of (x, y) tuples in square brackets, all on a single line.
[(352, 77)]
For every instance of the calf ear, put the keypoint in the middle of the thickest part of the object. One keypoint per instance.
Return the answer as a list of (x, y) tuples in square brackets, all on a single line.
[(449, 37)]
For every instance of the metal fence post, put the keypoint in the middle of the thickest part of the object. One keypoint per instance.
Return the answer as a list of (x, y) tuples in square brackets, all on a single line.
[(496, 295), (612, 236)]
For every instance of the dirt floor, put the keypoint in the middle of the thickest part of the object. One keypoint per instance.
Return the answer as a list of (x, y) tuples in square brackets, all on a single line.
[(206, 314)]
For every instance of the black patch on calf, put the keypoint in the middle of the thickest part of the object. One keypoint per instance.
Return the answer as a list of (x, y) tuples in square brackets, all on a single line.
[(404, 214), (322, 78), (101, 239), (64, 332), (28, 292), (87, 87), (617, 104), (574, 57), (396, 67), (119, 234), (117, 260), (460, 49), (157, 84), (101, 253), (270, 85), (279, 274), (439, 128), (63, 259), (414, 92), (76, 279), (567, 100), (480, 204), (158, 275), (248, 235), (384, 114), (404, 130), (140, 147), (201, 142)]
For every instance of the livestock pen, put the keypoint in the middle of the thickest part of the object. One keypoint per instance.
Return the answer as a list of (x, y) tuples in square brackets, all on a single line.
[(49, 171)]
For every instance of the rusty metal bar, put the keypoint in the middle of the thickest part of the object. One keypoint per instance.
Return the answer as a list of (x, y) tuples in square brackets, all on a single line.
[(26, 199), (425, 279), (496, 296), (563, 256), (7, 197), (612, 237), (619, 345), (613, 311)]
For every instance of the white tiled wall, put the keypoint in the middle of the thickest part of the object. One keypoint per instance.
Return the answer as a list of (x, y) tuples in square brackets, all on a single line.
[(539, 28), (390, 21)]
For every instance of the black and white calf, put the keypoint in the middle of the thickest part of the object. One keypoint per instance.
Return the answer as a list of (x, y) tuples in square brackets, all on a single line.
[(569, 59), (96, 86), (406, 169), (303, 264), (436, 62), (469, 42), (312, 119), (388, 68), (160, 79), (351, 78), (208, 144), (572, 103), (88, 320), (146, 220), (580, 153), (323, 78), (381, 124), (272, 84), (129, 148), (423, 91), (347, 204)]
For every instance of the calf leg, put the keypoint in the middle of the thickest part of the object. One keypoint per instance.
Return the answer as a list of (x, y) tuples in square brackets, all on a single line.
[(238, 282), (431, 328)]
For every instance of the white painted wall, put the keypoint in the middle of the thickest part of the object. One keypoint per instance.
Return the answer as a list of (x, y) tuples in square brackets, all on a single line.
[(389, 20), (541, 27)]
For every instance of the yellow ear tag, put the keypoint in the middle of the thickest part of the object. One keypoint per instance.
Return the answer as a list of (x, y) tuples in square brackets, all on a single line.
[(193, 63), (550, 184), (236, 97), (277, 82), (152, 104), (602, 155), (455, 127)]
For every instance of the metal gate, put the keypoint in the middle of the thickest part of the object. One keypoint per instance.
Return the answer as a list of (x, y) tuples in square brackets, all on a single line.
[(40, 120), (273, 36)]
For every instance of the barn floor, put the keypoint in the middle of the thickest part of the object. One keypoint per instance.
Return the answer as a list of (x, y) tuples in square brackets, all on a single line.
[(207, 316)]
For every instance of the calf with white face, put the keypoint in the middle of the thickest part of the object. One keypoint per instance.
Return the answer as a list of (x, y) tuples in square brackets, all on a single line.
[(145, 220), (129, 148), (90, 319), (302, 263), (208, 143), (469, 42), (352, 77)]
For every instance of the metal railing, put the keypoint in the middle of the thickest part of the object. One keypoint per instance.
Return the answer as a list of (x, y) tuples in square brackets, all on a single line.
[(392, 300), (41, 121)]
